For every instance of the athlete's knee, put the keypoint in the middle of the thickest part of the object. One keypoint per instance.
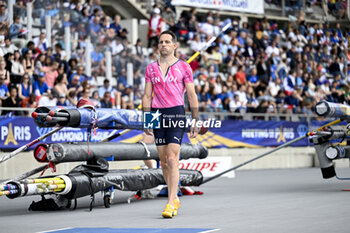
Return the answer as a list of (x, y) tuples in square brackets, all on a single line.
[(172, 162)]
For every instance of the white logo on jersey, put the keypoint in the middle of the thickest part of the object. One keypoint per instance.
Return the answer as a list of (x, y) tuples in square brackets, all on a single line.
[(178, 139), (167, 79)]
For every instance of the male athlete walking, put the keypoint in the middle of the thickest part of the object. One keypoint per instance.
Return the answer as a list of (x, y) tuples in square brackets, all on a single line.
[(168, 78)]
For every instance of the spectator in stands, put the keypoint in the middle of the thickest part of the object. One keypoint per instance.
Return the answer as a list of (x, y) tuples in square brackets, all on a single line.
[(29, 103), (95, 29), (126, 100), (96, 6), (252, 102), (235, 104), (62, 101), (4, 17), (106, 101), (253, 79), (168, 17), (8, 46), (74, 86), (123, 36), (4, 71), (262, 69), (218, 84), (51, 11), (122, 79), (289, 83), (207, 28), (98, 60), (274, 87), (48, 57), (85, 93), (39, 62), (106, 87), (12, 102), (51, 74), (25, 88), (242, 97), (16, 29), (59, 51), (17, 70), (38, 8), (60, 87), (213, 58), (105, 24), (154, 28), (30, 46), (240, 76), (28, 63), (72, 67), (196, 43), (229, 81), (96, 99), (138, 55), (47, 99), (116, 25), (4, 92), (40, 43), (293, 101), (182, 32), (39, 86)]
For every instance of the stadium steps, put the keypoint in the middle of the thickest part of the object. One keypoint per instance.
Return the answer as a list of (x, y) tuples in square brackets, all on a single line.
[(314, 13), (126, 8)]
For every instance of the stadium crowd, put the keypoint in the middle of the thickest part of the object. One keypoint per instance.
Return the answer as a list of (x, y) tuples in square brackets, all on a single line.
[(337, 8), (261, 66)]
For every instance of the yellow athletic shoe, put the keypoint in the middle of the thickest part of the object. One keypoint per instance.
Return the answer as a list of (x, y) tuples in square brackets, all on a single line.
[(168, 211), (176, 205)]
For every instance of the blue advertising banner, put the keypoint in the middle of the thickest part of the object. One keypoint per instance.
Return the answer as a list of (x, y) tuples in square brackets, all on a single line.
[(18, 131), (254, 134)]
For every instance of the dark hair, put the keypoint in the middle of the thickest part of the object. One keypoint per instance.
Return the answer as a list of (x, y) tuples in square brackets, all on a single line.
[(58, 45), (30, 43), (59, 79), (11, 87), (172, 34)]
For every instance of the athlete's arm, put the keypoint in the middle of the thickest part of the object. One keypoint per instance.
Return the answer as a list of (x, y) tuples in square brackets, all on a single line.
[(193, 101), (147, 101)]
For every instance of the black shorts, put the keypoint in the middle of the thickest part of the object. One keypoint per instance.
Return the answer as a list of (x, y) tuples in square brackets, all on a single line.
[(171, 131)]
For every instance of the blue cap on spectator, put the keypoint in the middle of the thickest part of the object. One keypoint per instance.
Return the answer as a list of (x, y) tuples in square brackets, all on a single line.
[(41, 74)]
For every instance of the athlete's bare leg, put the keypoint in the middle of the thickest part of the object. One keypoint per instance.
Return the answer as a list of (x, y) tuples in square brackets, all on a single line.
[(169, 156), (162, 153), (148, 139)]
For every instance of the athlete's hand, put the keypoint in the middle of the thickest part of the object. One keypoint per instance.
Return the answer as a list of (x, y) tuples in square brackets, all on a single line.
[(148, 132), (194, 132)]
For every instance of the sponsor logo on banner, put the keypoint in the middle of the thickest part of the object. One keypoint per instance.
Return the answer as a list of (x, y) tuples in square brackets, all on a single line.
[(12, 134), (249, 6), (209, 166)]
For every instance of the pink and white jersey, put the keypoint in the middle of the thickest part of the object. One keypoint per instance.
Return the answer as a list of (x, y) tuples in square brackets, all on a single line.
[(168, 89)]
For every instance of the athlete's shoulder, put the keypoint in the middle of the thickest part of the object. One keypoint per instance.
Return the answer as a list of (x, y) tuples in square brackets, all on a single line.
[(152, 63), (183, 63), (151, 66)]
